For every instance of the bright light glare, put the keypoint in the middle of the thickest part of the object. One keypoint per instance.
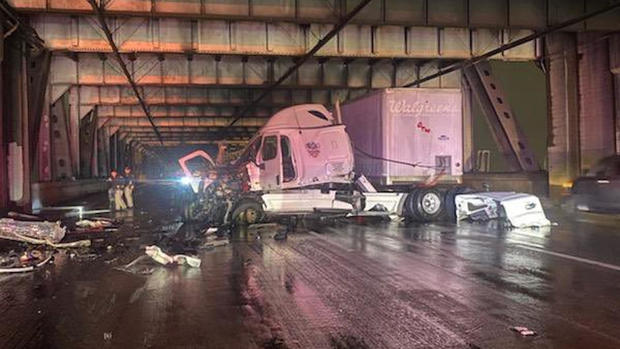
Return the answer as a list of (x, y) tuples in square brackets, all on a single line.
[(186, 180)]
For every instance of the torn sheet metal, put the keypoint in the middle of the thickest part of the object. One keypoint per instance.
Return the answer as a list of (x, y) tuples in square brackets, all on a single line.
[(17, 230), (518, 209)]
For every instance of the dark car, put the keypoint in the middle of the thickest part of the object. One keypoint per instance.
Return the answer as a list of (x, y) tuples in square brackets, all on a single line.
[(599, 191)]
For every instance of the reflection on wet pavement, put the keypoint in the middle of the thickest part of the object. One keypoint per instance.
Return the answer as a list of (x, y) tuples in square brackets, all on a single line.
[(347, 284)]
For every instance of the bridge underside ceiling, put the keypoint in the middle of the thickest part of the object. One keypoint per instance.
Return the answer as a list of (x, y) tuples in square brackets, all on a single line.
[(198, 63), (532, 14)]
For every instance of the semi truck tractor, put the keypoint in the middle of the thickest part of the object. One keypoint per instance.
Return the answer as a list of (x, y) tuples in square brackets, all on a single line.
[(394, 153)]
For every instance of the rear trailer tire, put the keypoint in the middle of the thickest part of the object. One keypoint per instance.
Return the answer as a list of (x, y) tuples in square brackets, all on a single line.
[(248, 212), (425, 205), (430, 204), (449, 201), (410, 206)]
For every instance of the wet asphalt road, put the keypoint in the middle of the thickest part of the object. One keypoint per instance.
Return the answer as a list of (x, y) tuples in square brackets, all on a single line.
[(346, 284)]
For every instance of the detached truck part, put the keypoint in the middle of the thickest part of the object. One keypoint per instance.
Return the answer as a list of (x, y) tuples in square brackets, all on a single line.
[(301, 163)]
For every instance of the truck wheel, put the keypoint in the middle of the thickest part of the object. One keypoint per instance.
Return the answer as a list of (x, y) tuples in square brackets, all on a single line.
[(248, 212), (429, 204), (411, 213), (190, 213), (449, 201)]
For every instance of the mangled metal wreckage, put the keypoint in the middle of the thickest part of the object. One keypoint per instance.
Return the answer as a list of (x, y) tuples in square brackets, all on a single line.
[(301, 163)]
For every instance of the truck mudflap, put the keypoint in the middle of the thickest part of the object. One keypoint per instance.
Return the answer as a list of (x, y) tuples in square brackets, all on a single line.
[(518, 209)]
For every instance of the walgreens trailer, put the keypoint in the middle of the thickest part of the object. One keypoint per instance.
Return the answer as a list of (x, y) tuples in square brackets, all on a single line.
[(392, 129)]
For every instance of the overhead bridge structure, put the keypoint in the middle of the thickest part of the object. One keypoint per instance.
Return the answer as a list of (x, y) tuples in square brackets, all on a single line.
[(200, 65)]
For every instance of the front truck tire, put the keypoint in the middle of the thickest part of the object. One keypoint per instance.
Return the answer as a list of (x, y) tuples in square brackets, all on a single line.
[(190, 212), (248, 212)]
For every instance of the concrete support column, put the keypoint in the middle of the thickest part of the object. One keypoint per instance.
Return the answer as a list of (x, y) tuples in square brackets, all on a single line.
[(4, 185), (15, 107), (614, 65), (563, 150), (95, 159), (596, 99), (25, 141)]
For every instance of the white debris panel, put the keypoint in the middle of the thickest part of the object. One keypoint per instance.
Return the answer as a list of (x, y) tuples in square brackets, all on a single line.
[(518, 209)]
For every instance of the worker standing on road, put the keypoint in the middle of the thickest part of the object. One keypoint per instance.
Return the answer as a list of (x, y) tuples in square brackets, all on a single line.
[(129, 186), (116, 190)]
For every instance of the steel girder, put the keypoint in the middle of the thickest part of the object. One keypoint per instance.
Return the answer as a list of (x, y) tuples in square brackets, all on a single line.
[(179, 129), (244, 38), (192, 142), (180, 122), (92, 69), (534, 14)]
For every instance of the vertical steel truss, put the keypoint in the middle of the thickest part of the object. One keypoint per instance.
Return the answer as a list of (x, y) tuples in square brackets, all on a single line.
[(504, 127), (88, 127), (62, 158)]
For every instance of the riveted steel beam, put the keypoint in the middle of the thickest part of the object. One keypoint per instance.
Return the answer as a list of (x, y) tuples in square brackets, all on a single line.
[(613, 7), (179, 122), (533, 14), (243, 39)]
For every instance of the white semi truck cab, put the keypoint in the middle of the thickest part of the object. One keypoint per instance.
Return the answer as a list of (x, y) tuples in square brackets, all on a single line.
[(301, 162)]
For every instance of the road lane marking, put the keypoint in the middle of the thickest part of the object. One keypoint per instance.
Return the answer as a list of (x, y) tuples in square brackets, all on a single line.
[(567, 256)]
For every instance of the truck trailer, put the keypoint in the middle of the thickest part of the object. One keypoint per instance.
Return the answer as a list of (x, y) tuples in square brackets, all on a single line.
[(407, 135), (301, 162)]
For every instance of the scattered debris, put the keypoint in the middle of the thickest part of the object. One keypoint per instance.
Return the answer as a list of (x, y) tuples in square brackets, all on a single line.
[(107, 336), (281, 235), (162, 258), (158, 255), (23, 216), (110, 261), (20, 265), (263, 227), (210, 231), (19, 230), (524, 331), (93, 224), (212, 243), (83, 257), (183, 259)]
